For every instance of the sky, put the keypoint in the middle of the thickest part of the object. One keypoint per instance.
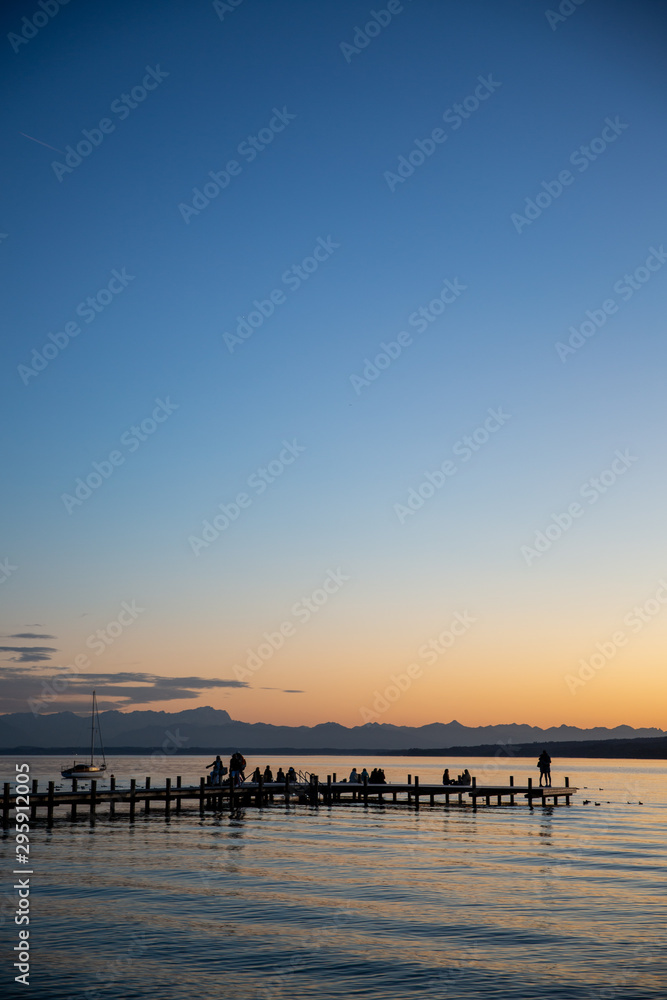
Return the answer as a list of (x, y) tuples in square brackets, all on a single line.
[(334, 337)]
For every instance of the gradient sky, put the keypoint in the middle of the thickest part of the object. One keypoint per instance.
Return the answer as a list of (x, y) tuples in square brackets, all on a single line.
[(220, 73)]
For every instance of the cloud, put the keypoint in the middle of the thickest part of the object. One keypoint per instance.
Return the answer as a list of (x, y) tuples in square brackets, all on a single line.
[(29, 635), (283, 690), (29, 654), (114, 690)]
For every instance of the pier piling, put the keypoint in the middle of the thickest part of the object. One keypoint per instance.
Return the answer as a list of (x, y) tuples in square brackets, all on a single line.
[(49, 805), (93, 797)]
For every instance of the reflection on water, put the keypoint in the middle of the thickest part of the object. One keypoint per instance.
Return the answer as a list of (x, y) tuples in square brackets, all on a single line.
[(376, 902)]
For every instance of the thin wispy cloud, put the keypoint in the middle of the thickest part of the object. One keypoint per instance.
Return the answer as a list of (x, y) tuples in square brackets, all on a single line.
[(29, 635), (29, 654)]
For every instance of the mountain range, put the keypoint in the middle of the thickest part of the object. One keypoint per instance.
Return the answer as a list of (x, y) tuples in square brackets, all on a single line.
[(210, 728)]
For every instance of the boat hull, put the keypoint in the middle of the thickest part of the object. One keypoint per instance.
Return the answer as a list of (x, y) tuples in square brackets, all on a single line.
[(82, 772)]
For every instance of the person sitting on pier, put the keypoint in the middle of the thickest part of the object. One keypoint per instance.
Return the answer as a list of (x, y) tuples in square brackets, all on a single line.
[(268, 773), (256, 775), (354, 777), (381, 778), (375, 776), (217, 772), (544, 764), (446, 780), (364, 776), (464, 779), (280, 776), (291, 774)]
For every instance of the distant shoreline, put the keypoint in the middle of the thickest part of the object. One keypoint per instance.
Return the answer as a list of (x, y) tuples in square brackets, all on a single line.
[(654, 748)]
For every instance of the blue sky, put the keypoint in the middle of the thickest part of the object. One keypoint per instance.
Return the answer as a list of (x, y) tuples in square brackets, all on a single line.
[(223, 74)]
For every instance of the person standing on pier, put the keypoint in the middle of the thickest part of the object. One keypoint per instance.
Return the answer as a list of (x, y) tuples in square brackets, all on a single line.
[(218, 770), (544, 764), (237, 763)]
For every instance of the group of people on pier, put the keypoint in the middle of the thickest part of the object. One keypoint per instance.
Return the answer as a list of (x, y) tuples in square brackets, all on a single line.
[(463, 779), (376, 777), (237, 766), (267, 775)]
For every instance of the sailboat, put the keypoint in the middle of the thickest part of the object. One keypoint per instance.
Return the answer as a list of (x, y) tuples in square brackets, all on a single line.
[(91, 770)]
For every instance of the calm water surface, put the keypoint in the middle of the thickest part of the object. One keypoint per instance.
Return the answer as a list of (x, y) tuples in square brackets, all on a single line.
[(357, 902)]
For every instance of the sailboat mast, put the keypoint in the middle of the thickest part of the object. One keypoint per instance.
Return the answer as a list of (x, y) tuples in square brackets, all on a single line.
[(92, 732)]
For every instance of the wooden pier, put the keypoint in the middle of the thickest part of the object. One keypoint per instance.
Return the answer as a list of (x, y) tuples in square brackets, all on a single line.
[(89, 801)]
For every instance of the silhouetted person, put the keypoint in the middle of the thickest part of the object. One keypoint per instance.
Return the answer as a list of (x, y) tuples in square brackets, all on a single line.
[(354, 777), (280, 775), (544, 764), (237, 763), (291, 774), (445, 777), (256, 775), (268, 774), (363, 776), (218, 770)]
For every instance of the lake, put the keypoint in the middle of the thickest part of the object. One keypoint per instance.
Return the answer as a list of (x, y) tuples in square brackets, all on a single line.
[(373, 902)]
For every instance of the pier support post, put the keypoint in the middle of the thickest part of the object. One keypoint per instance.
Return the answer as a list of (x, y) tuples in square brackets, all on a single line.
[(5, 806), (365, 790), (286, 791), (133, 798), (512, 784), (530, 792), (567, 797), (259, 795), (93, 797), (329, 799), (147, 800), (49, 805), (33, 801), (416, 791), (178, 797), (112, 803), (231, 794), (167, 797), (202, 790), (75, 788)]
